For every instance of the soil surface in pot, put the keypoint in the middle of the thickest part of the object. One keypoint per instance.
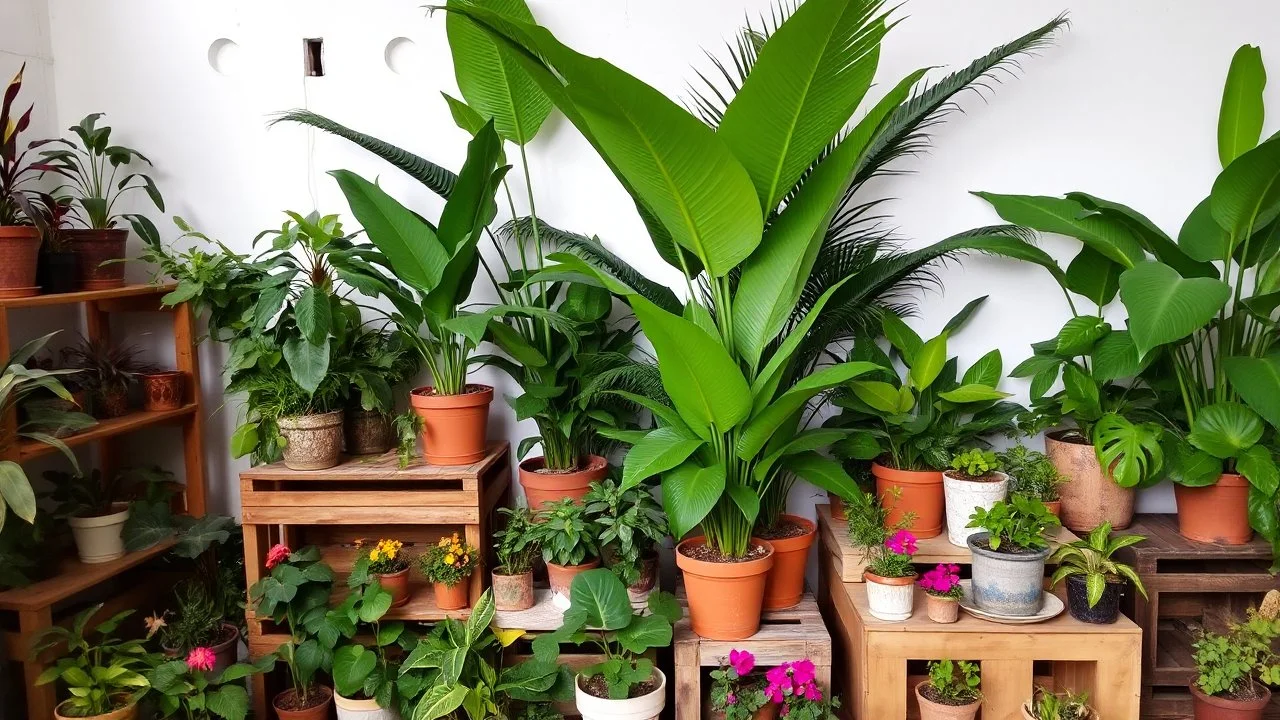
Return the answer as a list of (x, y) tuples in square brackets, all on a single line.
[(98, 512), (1006, 548), (706, 553), (783, 530), (934, 696), (597, 687), (1249, 694), (289, 700), (962, 475), (468, 390), (594, 463)]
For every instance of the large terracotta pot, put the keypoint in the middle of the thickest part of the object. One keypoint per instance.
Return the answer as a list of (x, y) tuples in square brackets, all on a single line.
[(561, 576), (129, 712), (964, 495), (19, 255), (646, 707), (911, 491), (367, 432), (1208, 707), (784, 586), (312, 442), (1218, 513), (319, 711), (98, 539), (453, 597), (163, 390), (94, 248), (541, 488), (837, 506), (454, 427), (513, 592), (396, 583), (725, 599), (1089, 496), (930, 710)]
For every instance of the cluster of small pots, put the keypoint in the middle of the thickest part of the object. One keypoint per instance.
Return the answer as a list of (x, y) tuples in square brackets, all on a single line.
[(89, 262)]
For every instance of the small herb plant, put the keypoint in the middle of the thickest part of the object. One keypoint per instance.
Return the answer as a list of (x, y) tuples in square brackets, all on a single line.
[(1091, 558), (954, 683), (386, 557), (1030, 473), (600, 612), (794, 686), (91, 168), (449, 562), (102, 672), (887, 551), (631, 523), (566, 533), (197, 619), (184, 689), (407, 426), (1227, 664), (943, 581), (734, 691), (1061, 706), (1017, 525), (514, 544), (975, 464), (296, 593)]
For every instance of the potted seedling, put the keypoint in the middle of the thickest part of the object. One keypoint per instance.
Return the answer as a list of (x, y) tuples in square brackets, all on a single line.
[(887, 552), (951, 692), (516, 551), (1033, 474), (108, 371), (793, 688), (364, 678), (448, 566), (97, 507), (1234, 670), (631, 525), (1095, 581), (386, 560), (942, 592), (737, 693), (1066, 705), (1009, 555), (567, 537), (973, 481), (19, 218), (103, 673), (191, 688)]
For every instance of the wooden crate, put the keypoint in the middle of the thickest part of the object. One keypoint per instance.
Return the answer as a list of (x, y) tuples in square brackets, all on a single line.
[(849, 561), (1190, 586)]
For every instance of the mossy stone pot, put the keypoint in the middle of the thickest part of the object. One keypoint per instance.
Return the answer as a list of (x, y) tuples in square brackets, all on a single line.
[(312, 442), (1007, 583)]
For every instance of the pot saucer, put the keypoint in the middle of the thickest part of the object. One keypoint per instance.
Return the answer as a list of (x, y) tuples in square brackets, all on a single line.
[(1051, 606), (22, 292)]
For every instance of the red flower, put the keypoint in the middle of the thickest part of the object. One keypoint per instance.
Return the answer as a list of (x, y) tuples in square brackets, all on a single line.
[(201, 658), (277, 554)]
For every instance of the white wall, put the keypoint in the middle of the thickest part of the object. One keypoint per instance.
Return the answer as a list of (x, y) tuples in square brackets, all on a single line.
[(1124, 107)]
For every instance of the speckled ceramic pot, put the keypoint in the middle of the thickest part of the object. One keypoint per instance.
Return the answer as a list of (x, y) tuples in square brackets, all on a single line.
[(368, 432), (891, 599), (964, 496), (513, 592), (1089, 496), (1006, 583), (313, 442)]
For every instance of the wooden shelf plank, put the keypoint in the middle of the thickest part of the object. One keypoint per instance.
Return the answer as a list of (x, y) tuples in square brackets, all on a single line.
[(72, 298), (378, 468), (74, 577), (30, 449)]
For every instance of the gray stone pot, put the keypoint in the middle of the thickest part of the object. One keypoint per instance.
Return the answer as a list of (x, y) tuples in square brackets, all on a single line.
[(1005, 583)]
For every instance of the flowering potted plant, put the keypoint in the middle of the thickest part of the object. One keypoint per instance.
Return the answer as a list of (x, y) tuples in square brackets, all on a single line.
[(973, 481), (387, 562), (448, 566), (887, 552), (793, 687), (364, 678), (942, 592), (1225, 686), (516, 551), (189, 688), (737, 694), (104, 675), (951, 692), (1009, 555), (568, 537)]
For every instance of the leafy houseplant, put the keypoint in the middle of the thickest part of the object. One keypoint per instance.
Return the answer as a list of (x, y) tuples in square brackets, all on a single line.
[(942, 591), (369, 425), (1046, 705), (568, 538), (189, 689), (516, 550), (973, 481), (104, 674), (631, 527), (1234, 669), (448, 565), (735, 692), (108, 372), (19, 218), (951, 686), (1009, 554), (1031, 473), (98, 508), (887, 551), (793, 686), (364, 678), (1095, 581), (388, 562)]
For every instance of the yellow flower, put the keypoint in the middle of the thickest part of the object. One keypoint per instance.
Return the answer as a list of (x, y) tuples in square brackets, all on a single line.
[(448, 559), (443, 542), (373, 554)]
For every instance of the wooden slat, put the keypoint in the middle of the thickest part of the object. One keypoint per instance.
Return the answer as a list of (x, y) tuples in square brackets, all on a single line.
[(74, 577), (374, 515), (390, 499), (31, 449), (74, 298), (380, 467)]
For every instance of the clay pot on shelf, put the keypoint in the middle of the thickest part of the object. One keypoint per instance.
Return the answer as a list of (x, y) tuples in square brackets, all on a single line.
[(58, 271), (646, 707), (1108, 607), (128, 712), (224, 650), (164, 390), (512, 593), (1054, 507), (111, 403), (725, 598), (942, 610), (784, 586), (1209, 707), (396, 583), (911, 491), (837, 506), (95, 249), (453, 597), (1217, 513), (1088, 496), (454, 427), (19, 255), (317, 707), (930, 710), (313, 442), (367, 432), (965, 494), (890, 598), (362, 709), (547, 487), (1006, 583), (98, 538), (561, 576)]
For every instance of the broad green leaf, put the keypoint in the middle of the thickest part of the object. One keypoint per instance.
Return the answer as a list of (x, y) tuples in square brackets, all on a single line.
[(464, 116), (244, 440), (440, 700), (1246, 195), (961, 318), (822, 472), (1094, 276), (901, 337), (603, 597), (974, 392), (351, 665), (1240, 119), (1165, 307), (308, 364), (1202, 238), (645, 632), (312, 314), (986, 371), (1131, 451), (762, 427), (410, 244), (1257, 464), (1152, 238), (688, 494), (481, 616), (928, 362), (1188, 466), (881, 396), (1068, 217), (1225, 429), (1115, 356), (1083, 395), (1257, 381), (1079, 334), (747, 500), (659, 451), (229, 702), (16, 492)]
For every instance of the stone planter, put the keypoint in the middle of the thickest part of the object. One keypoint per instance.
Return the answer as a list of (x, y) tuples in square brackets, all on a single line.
[(313, 442), (964, 495), (367, 432), (639, 592), (98, 538), (645, 707), (512, 592), (891, 599), (1006, 583)]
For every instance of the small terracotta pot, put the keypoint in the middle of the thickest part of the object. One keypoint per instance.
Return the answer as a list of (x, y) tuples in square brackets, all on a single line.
[(453, 597), (454, 427), (930, 710), (313, 442), (1208, 707), (891, 599), (367, 432), (725, 599), (541, 488), (164, 390), (561, 576), (93, 248), (942, 609), (837, 507), (396, 583), (1218, 513), (1054, 507), (319, 711), (129, 712), (111, 403), (784, 586), (1088, 497), (513, 593), (19, 256), (911, 491)]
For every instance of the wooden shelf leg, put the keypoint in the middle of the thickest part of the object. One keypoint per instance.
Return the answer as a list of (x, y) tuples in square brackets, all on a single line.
[(9, 420), (1117, 680), (41, 699), (886, 690), (187, 360), (688, 669), (476, 540), (1006, 684)]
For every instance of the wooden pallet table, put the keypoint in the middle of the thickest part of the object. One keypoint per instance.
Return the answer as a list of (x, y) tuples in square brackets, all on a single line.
[(1191, 586)]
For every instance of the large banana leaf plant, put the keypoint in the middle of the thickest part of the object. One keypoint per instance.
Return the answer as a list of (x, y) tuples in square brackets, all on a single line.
[(742, 209), (1201, 309)]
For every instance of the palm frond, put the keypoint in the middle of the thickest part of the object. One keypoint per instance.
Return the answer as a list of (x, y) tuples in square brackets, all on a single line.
[(713, 96), (438, 180), (638, 377)]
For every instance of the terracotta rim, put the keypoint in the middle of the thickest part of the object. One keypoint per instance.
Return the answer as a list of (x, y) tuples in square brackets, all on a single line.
[(163, 374), (1236, 705), (596, 467), (1231, 480), (745, 568), (794, 543), (906, 477), (424, 397), (22, 292), (324, 691), (18, 232), (589, 565), (879, 580)]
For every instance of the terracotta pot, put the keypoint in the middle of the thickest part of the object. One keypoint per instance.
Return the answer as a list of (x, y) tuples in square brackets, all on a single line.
[(367, 432), (313, 442), (19, 256), (453, 426), (561, 576), (396, 583), (164, 390), (1218, 513), (917, 491), (93, 248), (225, 652), (890, 598), (837, 507), (129, 712), (57, 272), (963, 496), (541, 488), (784, 586), (942, 609), (513, 592), (930, 710), (453, 597), (1089, 497), (1055, 507), (111, 403), (98, 538), (319, 711), (362, 709), (1208, 707), (725, 599)]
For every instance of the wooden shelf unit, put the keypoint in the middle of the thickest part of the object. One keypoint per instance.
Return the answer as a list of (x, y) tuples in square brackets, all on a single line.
[(25, 612)]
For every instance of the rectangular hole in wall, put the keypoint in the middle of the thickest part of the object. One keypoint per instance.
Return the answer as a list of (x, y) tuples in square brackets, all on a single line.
[(313, 57)]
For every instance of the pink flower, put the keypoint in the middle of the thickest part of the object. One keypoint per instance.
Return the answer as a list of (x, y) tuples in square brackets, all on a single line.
[(902, 543), (200, 658), (774, 693), (742, 662), (785, 709), (779, 676), (277, 554), (802, 673), (812, 693), (730, 699)]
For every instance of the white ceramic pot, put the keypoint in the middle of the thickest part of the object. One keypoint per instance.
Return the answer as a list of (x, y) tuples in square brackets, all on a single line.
[(891, 599), (98, 539), (963, 496), (645, 707), (349, 709)]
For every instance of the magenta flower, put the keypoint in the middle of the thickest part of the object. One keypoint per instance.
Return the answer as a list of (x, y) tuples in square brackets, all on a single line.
[(774, 693), (730, 699), (779, 675), (742, 662), (802, 673), (785, 709), (277, 554), (901, 543), (812, 693), (200, 658)]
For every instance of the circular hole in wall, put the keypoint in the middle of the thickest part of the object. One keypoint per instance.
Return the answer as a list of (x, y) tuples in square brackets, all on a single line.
[(402, 56), (224, 56)]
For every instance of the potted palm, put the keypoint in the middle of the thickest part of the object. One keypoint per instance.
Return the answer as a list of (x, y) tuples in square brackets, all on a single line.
[(516, 551), (1233, 670), (104, 673), (448, 566), (973, 481), (1066, 705), (108, 371), (19, 218), (1009, 554), (568, 538), (952, 691), (887, 552), (631, 526), (1032, 473), (1095, 581)]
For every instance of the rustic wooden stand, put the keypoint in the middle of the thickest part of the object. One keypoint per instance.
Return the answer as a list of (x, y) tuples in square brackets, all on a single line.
[(1190, 586), (25, 612), (367, 498)]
